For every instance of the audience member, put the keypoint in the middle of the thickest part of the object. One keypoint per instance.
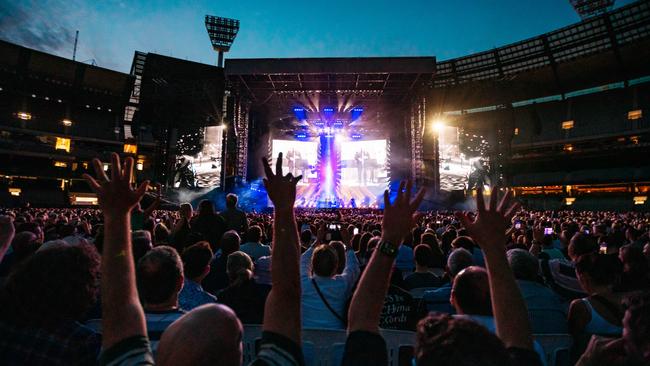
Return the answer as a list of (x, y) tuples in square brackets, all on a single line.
[(217, 279), (196, 266), (234, 217), (160, 280), (243, 295), (324, 292), (438, 299), (253, 246), (423, 276), (209, 224), (43, 301)]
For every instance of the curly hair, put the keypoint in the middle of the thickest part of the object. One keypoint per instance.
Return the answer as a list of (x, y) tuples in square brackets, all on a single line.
[(446, 341), (57, 283)]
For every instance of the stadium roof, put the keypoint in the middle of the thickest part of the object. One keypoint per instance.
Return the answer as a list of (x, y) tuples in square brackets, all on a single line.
[(604, 49), (261, 79)]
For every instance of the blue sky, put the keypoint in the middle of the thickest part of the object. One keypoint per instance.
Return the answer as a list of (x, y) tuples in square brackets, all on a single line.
[(111, 30)]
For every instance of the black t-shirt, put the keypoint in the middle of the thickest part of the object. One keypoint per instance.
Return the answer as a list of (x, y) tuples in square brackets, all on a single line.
[(246, 300), (419, 280), (369, 349), (217, 279)]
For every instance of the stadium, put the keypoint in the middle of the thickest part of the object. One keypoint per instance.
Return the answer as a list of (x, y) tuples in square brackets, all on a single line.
[(360, 180)]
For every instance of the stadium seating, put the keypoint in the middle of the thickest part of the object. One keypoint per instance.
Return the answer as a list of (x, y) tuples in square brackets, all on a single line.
[(324, 347)]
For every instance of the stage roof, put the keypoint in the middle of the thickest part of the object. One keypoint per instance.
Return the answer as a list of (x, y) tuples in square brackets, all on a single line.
[(261, 79)]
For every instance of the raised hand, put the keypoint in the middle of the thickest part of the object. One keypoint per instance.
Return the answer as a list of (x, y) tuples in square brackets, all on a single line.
[(489, 226), (116, 195), (7, 232), (399, 216), (281, 189)]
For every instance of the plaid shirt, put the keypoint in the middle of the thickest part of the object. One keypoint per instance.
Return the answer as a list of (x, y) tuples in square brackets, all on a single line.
[(68, 344)]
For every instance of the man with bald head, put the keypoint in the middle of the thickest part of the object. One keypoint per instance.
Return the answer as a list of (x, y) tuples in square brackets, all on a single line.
[(208, 335)]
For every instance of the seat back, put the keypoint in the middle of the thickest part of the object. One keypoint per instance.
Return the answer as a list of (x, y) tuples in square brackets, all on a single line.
[(325, 347), (557, 348), (548, 321)]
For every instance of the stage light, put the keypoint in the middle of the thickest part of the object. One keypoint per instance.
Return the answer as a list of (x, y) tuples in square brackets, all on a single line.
[(66, 122), (140, 164), (338, 124), (15, 192), (356, 136), (60, 164), (300, 113), (438, 125), (328, 112), (356, 113), (569, 201), (25, 116), (640, 200)]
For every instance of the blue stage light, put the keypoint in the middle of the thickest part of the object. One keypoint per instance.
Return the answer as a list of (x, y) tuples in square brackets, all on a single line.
[(302, 135), (356, 136), (356, 113), (338, 124), (300, 113), (328, 112)]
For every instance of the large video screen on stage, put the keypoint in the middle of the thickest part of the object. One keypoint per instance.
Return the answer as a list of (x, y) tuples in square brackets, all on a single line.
[(462, 165), (364, 163), (201, 166), (300, 158)]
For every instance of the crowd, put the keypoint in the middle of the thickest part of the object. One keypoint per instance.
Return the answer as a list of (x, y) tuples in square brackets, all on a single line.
[(123, 285)]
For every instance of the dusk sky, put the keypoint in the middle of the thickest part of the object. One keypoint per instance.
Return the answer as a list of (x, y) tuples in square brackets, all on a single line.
[(111, 30)]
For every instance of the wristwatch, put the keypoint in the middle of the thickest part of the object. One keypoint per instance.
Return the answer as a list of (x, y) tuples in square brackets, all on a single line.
[(388, 248)]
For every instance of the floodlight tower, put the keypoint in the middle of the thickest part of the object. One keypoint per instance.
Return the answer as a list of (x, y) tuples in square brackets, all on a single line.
[(222, 32), (589, 8)]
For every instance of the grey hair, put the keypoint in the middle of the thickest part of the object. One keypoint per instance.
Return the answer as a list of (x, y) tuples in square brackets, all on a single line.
[(458, 260), (524, 265)]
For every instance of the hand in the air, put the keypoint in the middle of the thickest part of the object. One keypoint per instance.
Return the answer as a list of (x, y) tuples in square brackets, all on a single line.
[(281, 189), (116, 195), (489, 226), (399, 216)]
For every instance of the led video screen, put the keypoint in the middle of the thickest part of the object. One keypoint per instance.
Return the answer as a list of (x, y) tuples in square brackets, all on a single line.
[(364, 163), (462, 165), (202, 169), (300, 158)]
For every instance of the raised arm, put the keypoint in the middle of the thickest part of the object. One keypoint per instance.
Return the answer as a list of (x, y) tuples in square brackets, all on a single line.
[(282, 309), (488, 229), (368, 299), (7, 232), (122, 315)]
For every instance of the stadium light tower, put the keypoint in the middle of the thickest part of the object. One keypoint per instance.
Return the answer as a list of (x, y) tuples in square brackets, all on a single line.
[(222, 32), (589, 8)]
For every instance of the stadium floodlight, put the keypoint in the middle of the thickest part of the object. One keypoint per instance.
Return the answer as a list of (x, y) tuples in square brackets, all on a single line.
[(222, 33), (589, 8), (438, 125)]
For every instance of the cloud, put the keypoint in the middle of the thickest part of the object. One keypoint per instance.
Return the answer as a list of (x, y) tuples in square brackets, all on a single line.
[(40, 26)]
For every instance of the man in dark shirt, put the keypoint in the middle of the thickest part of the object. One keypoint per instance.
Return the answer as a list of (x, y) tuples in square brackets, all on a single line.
[(234, 217), (209, 224), (422, 277)]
